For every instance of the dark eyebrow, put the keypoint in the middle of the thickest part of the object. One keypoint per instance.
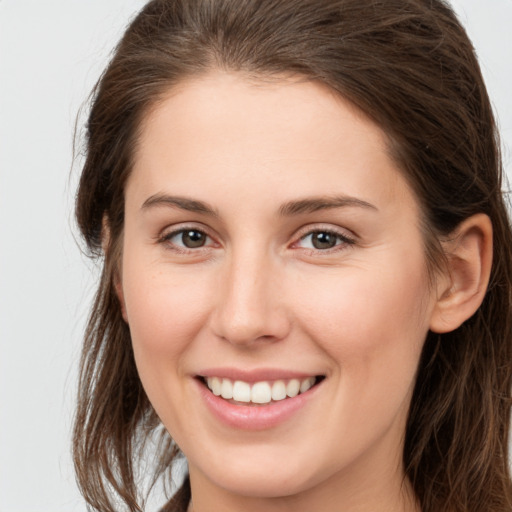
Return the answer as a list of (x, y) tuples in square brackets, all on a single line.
[(314, 204), (183, 203)]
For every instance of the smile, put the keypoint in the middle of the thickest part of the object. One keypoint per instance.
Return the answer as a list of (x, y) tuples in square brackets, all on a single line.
[(262, 392), (253, 401)]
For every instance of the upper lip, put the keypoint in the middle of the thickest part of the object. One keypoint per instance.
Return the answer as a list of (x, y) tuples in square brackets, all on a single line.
[(256, 375)]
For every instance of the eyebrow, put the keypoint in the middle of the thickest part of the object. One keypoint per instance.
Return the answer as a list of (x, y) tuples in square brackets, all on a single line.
[(183, 203), (291, 208), (314, 204)]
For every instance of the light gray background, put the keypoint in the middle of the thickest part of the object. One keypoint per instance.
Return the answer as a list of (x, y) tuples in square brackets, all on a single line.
[(51, 53)]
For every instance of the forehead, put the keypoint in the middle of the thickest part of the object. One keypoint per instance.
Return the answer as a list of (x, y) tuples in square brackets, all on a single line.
[(285, 137)]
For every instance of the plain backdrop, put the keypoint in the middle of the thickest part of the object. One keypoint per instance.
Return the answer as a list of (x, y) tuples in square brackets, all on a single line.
[(51, 53)]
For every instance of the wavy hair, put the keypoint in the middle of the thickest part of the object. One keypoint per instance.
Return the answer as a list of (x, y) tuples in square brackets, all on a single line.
[(410, 67)]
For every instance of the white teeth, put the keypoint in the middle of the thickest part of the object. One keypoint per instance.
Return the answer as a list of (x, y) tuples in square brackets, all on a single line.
[(216, 386), (241, 391), (226, 390), (293, 388), (260, 392), (306, 384), (278, 390)]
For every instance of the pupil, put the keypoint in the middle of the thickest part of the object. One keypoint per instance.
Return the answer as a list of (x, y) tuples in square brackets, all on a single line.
[(193, 239), (324, 240)]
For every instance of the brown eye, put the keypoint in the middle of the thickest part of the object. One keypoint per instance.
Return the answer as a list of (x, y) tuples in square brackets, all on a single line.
[(187, 238), (192, 238), (324, 240)]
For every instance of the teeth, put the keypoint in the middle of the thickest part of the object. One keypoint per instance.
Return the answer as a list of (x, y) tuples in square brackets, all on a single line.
[(260, 392), (216, 386), (293, 388), (241, 391), (306, 384), (278, 390), (226, 390)]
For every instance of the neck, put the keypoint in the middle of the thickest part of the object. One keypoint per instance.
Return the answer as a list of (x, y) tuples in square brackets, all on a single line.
[(405, 502)]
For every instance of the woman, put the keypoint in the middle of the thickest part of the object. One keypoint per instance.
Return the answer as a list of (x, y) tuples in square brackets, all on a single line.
[(307, 272)]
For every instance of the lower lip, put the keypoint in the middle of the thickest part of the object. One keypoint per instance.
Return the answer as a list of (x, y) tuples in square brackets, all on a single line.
[(255, 417)]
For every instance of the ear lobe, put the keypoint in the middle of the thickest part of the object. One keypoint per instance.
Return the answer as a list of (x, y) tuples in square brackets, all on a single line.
[(462, 288)]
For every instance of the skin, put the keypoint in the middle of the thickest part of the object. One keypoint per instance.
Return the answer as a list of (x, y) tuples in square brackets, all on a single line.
[(258, 294)]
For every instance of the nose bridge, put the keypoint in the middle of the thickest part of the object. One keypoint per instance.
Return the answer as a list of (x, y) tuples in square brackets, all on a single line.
[(249, 307)]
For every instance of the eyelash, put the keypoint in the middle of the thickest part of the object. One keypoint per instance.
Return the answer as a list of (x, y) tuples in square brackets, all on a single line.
[(166, 238), (341, 240)]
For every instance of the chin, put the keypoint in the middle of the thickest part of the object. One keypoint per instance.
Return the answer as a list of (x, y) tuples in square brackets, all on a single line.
[(263, 484), (256, 477)]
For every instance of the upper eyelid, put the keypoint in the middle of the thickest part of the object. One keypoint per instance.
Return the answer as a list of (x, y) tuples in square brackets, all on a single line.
[(299, 234), (345, 240), (328, 228), (178, 228), (346, 236), (165, 235)]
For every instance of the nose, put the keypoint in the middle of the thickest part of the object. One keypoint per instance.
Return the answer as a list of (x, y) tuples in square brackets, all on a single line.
[(250, 305)]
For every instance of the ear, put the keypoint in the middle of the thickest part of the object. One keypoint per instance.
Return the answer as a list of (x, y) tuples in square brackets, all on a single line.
[(116, 277), (462, 287)]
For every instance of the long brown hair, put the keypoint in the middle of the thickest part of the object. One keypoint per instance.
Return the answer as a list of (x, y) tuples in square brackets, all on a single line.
[(409, 66)]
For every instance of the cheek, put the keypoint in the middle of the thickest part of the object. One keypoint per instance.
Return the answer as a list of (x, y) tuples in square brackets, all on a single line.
[(165, 311), (372, 326), (366, 319)]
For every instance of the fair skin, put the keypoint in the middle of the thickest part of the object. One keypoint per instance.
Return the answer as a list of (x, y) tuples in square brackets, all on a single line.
[(270, 237)]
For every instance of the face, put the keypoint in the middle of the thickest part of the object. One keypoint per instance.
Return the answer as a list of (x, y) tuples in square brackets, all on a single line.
[(272, 253)]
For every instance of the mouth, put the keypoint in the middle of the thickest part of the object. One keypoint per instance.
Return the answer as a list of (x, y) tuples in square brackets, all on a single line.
[(239, 392)]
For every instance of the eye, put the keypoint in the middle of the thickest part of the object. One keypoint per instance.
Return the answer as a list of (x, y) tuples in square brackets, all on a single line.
[(187, 238), (323, 240)]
